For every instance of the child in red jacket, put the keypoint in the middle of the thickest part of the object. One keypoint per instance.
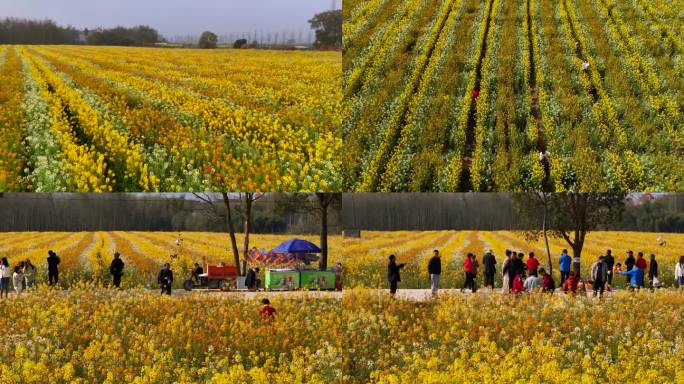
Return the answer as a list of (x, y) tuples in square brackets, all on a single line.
[(518, 286), (570, 284), (267, 312)]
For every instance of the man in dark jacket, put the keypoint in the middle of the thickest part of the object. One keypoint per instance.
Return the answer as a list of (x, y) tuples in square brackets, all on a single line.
[(520, 264), (53, 269), (629, 261), (165, 279), (116, 268), (653, 271), (393, 273), (489, 268), (435, 270), (610, 263), (251, 280)]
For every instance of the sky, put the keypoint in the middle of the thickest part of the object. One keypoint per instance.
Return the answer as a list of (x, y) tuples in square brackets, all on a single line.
[(174, 17)]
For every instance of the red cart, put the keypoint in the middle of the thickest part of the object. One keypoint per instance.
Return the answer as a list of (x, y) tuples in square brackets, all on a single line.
[(223, 277)]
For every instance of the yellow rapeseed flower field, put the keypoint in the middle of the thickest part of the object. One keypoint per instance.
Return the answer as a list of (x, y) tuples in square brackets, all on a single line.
[(144, 119), (536, 338)]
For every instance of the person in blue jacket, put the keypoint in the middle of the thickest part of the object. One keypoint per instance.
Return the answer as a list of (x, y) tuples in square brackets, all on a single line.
[(565, 261), (636, 277)]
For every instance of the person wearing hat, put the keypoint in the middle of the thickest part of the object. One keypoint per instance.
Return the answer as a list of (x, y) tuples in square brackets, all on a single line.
[(116, 268), (489, 268)]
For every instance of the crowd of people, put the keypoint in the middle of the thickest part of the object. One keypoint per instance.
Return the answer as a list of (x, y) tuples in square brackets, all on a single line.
[(520, 274)]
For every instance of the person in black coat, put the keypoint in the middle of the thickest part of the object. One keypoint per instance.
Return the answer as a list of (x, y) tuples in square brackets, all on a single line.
[(165, 279), (610, 263), (653, 270), (435, 270), (53, 269), (630, 261), (251, 280), (393, 273), (489, 268), (520, 266), (116, 268)]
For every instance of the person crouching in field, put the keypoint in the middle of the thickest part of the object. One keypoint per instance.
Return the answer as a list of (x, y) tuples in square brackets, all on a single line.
[(267, 312), (165, 279), (532, 282), (570, 284), (393, 275), (636, 277), (518, 286), (548, 285), (435, 270)]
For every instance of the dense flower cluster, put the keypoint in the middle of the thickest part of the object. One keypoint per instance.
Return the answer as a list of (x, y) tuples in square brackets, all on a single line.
[(89, 334), (171, 120), (365, 259), (535, 338), (465, 95)]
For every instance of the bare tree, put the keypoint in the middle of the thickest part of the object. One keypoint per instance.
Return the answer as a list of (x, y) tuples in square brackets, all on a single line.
[(220, 209), (571, 215), (248, 199)]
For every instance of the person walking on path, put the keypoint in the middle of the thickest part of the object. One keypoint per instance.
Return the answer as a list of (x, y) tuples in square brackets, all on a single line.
[(29, 274), (629, 261), (564, 262), (470, 265), (116, 268), (338, 269), (53, 267), (610, 263), (599, 275), (636, 277), (548, 285), (532, 264), (165, 279), (18, 279), (4, 277), (653, 272), (679, 272), (393, 275), (641, 264), (489, 268), (435, 270), (506, 280)]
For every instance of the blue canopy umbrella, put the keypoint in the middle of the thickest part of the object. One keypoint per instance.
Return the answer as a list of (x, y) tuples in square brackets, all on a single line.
[(297, 246)]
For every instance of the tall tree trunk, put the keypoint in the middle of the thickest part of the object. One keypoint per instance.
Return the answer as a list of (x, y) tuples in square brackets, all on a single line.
[(324, 201), (248, 222), (546, 240), (231, 231)]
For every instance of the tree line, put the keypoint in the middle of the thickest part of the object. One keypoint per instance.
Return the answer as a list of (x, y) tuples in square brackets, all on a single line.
[(326, 25)]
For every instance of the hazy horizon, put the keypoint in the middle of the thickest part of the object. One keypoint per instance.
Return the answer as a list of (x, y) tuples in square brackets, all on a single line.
[(174, 18)]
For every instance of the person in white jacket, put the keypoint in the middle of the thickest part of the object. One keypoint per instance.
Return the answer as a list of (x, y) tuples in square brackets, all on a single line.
[(18, 279), (4, 277), (679, 272)]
